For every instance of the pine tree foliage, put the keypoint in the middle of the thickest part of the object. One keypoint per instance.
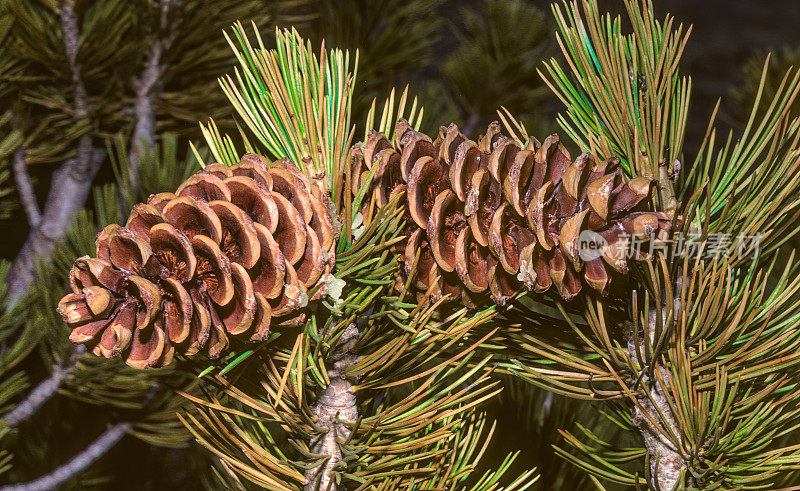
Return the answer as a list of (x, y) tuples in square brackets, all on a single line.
[(11, 138), (297, 107), (190, 63), (15, 344), (160, 168), (8, 146), (755, 81), (755, 191), (197, 55), (751, 77)]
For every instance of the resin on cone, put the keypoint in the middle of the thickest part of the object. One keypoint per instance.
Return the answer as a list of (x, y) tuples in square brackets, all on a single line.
[(494, 216), (233, 253)]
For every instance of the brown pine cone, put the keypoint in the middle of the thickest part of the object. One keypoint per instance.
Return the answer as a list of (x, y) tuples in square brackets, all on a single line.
[(233, 252), (495, 216)]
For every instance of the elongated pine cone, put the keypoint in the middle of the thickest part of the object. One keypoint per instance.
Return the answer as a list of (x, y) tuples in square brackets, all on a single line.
[(494, 216), (233, 252)]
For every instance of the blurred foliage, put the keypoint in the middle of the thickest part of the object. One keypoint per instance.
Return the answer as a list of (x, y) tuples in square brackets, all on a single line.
[(532, 420), (116, 41), (743, 93), (161, 169), (500, 47), (395, 40), (462, 62)]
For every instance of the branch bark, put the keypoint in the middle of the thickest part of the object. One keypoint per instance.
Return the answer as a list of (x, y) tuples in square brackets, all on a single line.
[(148, 86), (77, 463), (71, 182), (335, 406), (44, 391), (666, 461), (25, 189)]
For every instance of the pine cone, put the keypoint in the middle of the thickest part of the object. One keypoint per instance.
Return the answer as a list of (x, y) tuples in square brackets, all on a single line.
[(495, 216), (233, 252)]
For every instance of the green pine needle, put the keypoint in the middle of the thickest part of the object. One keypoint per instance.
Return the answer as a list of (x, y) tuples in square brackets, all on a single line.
[(623, 93), (295, 103)]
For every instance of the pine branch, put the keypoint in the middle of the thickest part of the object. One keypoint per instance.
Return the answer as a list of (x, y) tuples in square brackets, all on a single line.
[(76, 464), (71, 182), (418, 384), (25, 188), (335, 406), (44, 391), (147, 91), (666, 462), (71, 34)]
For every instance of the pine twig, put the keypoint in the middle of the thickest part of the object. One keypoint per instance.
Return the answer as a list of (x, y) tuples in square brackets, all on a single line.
[(147, 87), (71, 182), (25, 189), (44, 391), (336, 405), (77, 463)]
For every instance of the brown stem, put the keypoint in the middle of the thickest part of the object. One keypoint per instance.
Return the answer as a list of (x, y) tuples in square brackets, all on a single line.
[(335, 406), (70, 32), (71, 182), (86, 457)]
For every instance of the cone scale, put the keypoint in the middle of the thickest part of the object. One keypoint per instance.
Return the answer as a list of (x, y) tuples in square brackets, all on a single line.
[(495, 217), (233, 253)]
